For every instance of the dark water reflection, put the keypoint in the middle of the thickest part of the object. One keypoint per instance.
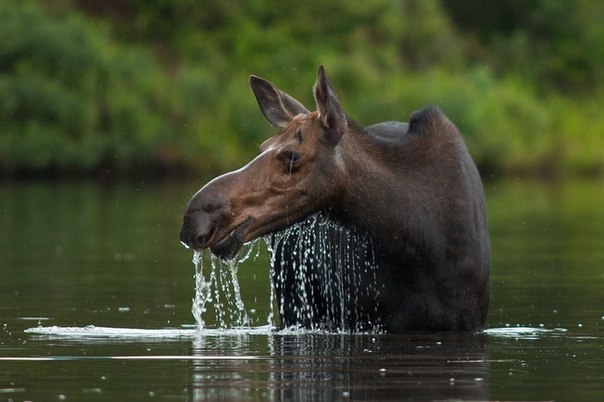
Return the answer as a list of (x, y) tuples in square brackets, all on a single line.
[(80, 254), (362, 367)]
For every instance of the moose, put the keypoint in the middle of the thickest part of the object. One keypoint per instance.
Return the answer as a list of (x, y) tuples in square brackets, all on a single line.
[(412, 188)]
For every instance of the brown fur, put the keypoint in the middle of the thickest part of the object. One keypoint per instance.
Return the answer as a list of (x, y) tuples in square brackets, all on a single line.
[(412, 187)]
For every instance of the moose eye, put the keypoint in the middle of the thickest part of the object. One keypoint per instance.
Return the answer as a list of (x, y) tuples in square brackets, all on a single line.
[(292, 158)]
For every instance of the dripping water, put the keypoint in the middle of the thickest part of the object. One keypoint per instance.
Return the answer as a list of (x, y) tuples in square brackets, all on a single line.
[(322, 275), (217, 288)]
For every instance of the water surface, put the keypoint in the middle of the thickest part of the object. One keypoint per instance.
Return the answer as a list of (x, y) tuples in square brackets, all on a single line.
[(101, 270)]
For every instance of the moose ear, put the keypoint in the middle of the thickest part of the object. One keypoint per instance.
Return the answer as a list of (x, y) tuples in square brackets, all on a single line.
[(278, 107), (331, 114)]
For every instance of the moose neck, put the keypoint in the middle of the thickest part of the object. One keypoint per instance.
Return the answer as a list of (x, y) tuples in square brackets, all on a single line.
[(381, 181)]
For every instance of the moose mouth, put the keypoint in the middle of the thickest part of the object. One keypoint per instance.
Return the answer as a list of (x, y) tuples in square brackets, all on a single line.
[(228, 247)]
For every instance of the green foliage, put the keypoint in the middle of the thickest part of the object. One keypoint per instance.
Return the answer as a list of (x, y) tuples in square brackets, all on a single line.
[(73, 100), (558, 45), (122, 86)]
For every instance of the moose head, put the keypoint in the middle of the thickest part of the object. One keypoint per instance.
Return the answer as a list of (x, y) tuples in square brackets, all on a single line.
[(298, 172)]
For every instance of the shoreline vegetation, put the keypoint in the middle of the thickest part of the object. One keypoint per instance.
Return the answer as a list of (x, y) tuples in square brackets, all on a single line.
[(153, 89)]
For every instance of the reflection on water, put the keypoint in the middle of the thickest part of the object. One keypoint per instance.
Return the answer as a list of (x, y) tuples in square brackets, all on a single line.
[(303, 365), (77, 255), (361, 367), (262, 363)]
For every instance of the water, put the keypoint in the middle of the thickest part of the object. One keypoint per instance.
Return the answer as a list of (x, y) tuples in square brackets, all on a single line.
[(98, 273), (316, 276), (305, 270), (217, 287)]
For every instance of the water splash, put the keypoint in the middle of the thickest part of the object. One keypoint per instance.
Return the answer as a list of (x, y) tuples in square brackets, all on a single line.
[(217, 286), (119, 334), (322, 275), (525, 333)]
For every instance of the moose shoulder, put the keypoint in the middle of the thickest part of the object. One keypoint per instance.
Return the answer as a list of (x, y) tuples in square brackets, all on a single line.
[(412, 188)]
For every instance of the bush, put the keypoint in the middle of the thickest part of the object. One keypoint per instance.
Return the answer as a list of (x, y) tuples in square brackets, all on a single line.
[(73, 99), (163, 85)]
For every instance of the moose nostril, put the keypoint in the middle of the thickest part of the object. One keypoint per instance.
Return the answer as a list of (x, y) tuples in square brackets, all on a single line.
[(200, 219), (203, 237), (197, 229)]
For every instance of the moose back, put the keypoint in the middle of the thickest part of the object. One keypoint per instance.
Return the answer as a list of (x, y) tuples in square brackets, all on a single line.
[(411, 188)]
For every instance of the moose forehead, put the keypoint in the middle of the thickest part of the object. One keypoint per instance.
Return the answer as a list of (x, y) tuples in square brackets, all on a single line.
[(296, 124), (304, 116)]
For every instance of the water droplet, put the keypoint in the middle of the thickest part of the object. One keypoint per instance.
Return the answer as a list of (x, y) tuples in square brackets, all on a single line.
[(318, 267), (321, 276)]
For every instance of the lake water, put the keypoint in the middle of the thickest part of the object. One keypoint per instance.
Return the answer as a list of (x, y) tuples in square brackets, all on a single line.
[(99, 273)]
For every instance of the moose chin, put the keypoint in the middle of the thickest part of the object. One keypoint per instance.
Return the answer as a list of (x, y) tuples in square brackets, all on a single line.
[(412, 188)]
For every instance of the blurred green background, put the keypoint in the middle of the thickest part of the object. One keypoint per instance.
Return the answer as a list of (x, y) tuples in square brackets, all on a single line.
[(123, 87)]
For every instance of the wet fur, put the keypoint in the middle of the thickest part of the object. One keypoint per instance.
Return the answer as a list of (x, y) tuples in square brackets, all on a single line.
[(427, 219), (411, 187)]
